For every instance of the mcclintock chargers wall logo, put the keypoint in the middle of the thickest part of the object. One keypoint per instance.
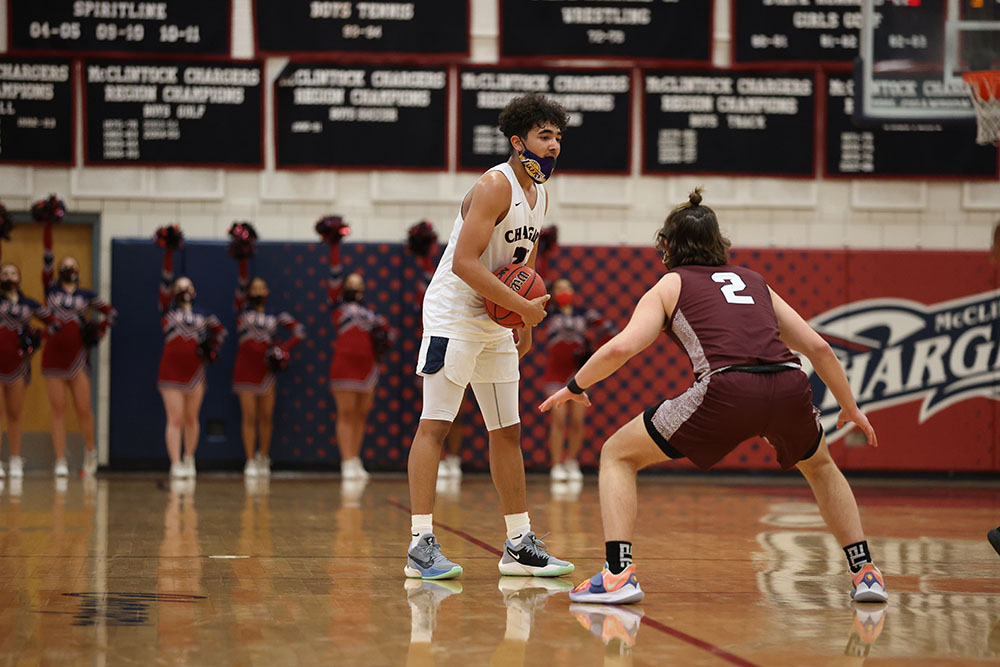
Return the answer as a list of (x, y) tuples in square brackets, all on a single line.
[(898, 351)]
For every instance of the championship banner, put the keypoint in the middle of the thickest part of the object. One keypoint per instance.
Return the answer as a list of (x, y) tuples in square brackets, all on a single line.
[(798, 32), (899, 149), (679, 31), (361, 116), (771, 32), (100, 28), (36, 111), (426, 28), (597, 101), (166, 113), (729, 122)]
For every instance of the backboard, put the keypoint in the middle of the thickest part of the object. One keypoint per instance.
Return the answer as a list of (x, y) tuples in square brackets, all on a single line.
[(914, 52)]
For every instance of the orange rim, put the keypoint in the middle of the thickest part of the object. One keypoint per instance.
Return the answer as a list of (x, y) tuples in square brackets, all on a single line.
[(985, 83)]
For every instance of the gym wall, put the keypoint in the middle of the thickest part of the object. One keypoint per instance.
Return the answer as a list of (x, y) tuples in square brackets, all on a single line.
[(596, 214), (921, 353)]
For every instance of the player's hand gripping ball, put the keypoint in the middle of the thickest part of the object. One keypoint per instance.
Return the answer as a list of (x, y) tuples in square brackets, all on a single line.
[(523, 280)]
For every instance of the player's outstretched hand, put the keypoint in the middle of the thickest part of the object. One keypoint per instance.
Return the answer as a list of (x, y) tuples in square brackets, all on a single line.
[(535, 312), (562, 396), (858, 418)]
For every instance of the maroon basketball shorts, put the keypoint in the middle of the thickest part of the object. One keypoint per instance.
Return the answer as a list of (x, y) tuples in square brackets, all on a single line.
[(716, 414)]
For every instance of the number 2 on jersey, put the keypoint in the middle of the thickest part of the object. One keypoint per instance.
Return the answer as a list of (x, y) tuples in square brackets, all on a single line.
[(733, 285)]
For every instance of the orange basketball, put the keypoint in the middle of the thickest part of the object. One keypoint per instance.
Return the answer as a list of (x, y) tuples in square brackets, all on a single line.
[(523, 280)]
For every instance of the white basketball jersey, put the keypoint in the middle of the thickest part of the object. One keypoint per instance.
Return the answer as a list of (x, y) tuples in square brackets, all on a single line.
[(453, 309)]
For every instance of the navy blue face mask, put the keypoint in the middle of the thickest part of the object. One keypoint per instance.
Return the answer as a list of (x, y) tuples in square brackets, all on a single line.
[(538, 168)]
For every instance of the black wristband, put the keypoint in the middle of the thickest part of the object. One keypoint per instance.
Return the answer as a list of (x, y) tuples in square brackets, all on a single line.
[(573, 387)]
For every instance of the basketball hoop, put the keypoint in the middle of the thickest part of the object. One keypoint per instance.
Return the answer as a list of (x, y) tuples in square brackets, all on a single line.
[(984, 87)]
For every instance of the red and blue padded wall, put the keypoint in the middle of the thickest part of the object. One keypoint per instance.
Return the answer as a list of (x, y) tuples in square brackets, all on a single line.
[(917, 331)]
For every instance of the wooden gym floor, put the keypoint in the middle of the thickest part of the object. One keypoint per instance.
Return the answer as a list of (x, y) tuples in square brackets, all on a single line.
[(131, 569)]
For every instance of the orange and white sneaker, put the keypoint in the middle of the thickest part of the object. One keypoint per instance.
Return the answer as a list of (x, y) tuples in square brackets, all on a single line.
[(607, 588), (867, 585)]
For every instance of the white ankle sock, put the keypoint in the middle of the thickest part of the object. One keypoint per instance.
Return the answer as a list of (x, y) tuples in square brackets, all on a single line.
[(517, 525), (420, 524)]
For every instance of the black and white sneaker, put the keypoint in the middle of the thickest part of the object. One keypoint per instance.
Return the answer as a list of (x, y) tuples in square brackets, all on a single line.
[(528, 558)]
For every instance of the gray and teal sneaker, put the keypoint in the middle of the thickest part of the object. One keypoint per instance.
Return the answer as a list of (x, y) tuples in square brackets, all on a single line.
[(528, 558), (425, 561)]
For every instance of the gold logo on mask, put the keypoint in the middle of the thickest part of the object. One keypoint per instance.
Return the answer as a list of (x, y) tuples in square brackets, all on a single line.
[(534, 170)]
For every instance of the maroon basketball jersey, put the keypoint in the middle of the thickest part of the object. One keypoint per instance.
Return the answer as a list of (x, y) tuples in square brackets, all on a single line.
[(724, 317)]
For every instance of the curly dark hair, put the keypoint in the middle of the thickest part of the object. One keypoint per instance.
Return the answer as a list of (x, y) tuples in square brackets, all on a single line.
[(691, 235), (530, 110)]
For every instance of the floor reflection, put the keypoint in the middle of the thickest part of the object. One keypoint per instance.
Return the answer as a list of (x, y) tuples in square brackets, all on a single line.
[(944, 594), (308, 570), (866, 626), (424, 598), (615, 626)]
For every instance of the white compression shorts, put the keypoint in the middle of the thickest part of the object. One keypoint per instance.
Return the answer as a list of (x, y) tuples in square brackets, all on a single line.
[(449, 365)]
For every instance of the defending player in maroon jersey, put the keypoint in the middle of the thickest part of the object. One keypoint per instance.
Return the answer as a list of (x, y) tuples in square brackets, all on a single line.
[(253, 378), (189, 339), (66, 355), (17, 343), (737, 333)]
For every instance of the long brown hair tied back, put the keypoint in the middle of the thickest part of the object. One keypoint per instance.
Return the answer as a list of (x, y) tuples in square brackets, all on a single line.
[(691, 235)]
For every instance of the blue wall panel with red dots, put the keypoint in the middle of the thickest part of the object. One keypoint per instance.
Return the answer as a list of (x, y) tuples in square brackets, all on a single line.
[(609, 279)]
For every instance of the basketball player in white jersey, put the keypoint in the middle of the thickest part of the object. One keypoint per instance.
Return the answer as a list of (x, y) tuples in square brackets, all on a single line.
[(498, 224)]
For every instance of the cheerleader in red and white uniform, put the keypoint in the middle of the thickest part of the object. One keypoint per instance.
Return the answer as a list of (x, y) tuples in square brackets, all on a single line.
[(571, 336), (421, 240), (18, 341), (190, 338), (362, 337), (66, 355), (257, 358)]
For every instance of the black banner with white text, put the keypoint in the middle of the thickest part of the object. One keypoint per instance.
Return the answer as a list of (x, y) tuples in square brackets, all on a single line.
[(36, 111), (679, 31), (94, 27), (597, 138), (172, 113), (332, 29), (729, 122), (361, 116)]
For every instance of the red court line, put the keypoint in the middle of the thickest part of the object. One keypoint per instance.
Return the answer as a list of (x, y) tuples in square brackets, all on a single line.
[(666, 629), (694, 641)]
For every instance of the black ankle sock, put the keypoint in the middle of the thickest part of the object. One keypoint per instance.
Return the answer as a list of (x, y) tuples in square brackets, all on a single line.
[(857, 555), (618, 555)]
